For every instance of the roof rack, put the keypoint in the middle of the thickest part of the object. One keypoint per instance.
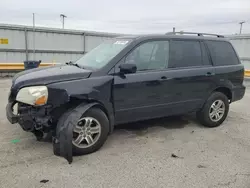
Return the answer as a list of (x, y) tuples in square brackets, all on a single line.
[(198, 34)]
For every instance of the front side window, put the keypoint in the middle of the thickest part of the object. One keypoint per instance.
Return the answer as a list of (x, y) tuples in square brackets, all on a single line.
[(185, 54), (150, 56), (102, 54)]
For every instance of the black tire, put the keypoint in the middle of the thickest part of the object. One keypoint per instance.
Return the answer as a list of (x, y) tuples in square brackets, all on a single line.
[(203, 114), (100, 116)]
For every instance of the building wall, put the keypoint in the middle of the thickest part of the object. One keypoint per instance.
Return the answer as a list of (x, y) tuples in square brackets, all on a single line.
[(51, 45), (242, 46), (60, 45), (12, 57)]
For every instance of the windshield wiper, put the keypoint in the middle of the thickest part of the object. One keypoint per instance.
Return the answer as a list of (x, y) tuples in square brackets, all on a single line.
[(71, 63)]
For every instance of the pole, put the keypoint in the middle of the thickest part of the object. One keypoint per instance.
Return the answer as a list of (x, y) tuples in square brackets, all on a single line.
[(33, 36), (26, 44), (173, 29), (84, 43), (241, 23), (63, 16)]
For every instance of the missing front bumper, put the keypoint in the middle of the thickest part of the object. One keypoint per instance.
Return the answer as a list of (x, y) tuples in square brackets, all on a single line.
[(28, 117)]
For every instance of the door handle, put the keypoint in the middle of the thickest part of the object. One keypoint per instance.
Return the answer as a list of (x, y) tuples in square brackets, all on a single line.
[(209, 74), (164, 78)]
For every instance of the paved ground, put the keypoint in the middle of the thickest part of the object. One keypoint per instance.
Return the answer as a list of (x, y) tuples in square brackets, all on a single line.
[(136, 155)]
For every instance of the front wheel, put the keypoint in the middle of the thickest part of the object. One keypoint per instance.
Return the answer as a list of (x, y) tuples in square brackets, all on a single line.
[(214, 111), (90, 132)]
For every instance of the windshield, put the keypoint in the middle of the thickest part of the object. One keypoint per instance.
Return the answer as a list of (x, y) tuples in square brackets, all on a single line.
[(102, 54)]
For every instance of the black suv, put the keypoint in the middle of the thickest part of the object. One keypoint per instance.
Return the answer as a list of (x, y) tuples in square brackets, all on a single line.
[(127, 79)]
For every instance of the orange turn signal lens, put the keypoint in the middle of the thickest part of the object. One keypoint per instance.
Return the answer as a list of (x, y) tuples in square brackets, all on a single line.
[(41, 101)]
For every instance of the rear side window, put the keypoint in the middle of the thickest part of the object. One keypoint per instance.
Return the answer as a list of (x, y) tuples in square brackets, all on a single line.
[(185, 54), (222, 53)]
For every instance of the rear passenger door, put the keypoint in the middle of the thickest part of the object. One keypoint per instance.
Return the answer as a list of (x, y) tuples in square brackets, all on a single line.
[(191, 72)]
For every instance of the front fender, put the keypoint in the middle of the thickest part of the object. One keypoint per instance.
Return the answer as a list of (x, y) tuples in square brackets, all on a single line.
[(62, 142), (97, 89)]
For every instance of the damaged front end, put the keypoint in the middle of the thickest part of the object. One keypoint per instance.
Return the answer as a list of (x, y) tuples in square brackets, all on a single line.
[(32, 119), (28, 107), (48, 107), (44, 119), (39, 121)]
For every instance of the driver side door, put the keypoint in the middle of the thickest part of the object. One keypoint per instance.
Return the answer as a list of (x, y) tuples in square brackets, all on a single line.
[(140, 95)]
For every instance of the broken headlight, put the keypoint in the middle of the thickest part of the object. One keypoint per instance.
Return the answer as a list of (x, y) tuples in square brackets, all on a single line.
[(35, 95)]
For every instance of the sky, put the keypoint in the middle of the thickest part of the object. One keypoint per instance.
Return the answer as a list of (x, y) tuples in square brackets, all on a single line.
[(132, 16)]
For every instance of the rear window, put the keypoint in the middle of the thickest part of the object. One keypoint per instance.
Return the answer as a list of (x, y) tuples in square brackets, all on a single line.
[(222, 53)]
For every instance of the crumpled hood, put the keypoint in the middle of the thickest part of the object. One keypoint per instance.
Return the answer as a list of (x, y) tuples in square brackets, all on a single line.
[(47, 75)]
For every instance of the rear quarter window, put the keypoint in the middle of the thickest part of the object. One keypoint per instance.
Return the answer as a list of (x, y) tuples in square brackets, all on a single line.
[(222, 53)]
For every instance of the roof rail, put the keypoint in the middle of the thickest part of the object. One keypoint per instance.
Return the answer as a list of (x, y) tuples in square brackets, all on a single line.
[(193, 33)]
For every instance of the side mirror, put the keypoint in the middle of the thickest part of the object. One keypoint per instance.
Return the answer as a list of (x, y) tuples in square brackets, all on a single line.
[(127, 68)]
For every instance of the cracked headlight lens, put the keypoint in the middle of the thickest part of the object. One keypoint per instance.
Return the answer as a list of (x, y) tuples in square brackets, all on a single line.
[(35, 95)]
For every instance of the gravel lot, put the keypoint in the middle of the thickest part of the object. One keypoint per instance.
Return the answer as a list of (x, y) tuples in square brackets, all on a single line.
[(136, 155)]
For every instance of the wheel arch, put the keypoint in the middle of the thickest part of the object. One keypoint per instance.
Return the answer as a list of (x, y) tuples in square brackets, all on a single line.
[(226, 91), (222, 89), (110, 115), (106, 108), (62, 142)]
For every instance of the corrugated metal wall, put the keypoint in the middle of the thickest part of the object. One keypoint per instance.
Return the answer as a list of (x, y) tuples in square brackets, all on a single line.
[(242, 46), (59, 45), (51, 45)]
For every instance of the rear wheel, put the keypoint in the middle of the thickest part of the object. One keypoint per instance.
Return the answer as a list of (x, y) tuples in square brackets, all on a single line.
[(214, 111)]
